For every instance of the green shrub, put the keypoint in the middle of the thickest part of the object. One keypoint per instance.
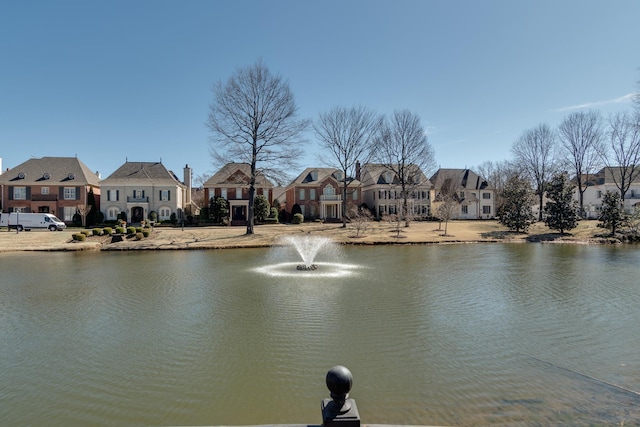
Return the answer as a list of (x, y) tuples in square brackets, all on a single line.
[(107, 231), (297, 218), (120, 230), (131, 230), (138, 229), (86, 232), (270, 221), (80, 237), (146, 232), (139, 236), (97, 231)]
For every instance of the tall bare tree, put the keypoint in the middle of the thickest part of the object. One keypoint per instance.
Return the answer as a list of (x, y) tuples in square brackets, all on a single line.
[(253, 120), (403, 148), (622, 156), (347, 134), (535, 152), (581, 135)]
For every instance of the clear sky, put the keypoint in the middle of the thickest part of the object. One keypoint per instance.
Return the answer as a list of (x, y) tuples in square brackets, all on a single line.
[(115, 80)]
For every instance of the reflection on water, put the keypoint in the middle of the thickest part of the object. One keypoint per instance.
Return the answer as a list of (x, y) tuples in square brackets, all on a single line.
[(453, 335)]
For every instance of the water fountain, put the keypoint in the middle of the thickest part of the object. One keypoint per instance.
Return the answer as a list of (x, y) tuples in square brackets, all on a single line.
[(320, 257)]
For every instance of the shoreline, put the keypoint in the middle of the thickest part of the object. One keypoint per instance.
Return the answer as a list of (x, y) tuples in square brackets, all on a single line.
[(378, 233)]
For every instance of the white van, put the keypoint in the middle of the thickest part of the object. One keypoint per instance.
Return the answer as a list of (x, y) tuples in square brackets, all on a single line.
[(27, 221)]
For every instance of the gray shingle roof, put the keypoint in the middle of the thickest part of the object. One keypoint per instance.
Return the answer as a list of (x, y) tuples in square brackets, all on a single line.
[(154, 172), (236, 174), (54, 170)]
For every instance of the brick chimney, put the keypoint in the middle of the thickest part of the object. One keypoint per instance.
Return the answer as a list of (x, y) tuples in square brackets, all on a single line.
[(358, 170)]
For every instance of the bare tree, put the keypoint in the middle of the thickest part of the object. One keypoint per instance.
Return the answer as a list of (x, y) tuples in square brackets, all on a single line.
[(402, 147), (581, 136), (83, 211), (535, 152), (347, 134), (622, 159), (253, 120), (446, 209), (498, 174), (361, 219)]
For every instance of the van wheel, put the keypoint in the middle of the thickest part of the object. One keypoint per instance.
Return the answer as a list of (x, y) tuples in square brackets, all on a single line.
[(52, 228)]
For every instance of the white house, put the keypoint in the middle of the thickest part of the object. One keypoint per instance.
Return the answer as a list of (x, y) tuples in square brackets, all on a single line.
[(601, 182), (139, 188), (473, 193), (382, 193)]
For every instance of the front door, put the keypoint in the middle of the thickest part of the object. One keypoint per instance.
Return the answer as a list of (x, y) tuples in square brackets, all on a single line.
[(238, 213), (137, 214)]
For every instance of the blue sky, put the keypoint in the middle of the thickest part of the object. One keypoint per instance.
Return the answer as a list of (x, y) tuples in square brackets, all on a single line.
[(116, 80)]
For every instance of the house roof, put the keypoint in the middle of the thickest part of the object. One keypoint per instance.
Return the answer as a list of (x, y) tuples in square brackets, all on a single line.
[(377, 174), (51, 170), (607, 175), (153, 172), (314, 176), (462, 178), (237, 174)]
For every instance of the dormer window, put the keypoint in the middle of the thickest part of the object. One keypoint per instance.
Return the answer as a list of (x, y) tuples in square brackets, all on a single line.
[(388, 177), (314, 175)]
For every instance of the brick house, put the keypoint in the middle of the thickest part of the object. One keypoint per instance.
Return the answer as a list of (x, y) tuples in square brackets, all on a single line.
[(231, 183), (61, 186), (317, 193)]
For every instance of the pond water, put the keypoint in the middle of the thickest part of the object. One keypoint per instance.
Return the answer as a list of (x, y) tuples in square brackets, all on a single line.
[(483, 334)]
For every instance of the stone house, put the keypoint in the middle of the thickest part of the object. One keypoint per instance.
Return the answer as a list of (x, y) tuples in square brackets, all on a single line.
[(382, 192), (139, 188)]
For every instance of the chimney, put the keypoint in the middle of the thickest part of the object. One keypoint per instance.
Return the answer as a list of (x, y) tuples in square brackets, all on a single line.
[(358, 170), (187, 182)]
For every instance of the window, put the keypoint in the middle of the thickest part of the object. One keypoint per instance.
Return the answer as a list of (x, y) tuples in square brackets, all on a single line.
[(486, 195), (19, 210), (44, 190), (238, 193), (113, 195), (112, 213), (302, 209), (486, 210), (19, 193), (69, 194), (354, 195), (69, 212), (462, 194), (301, 194), (164, 213), (223, 193), (314, 175), (164, 195), (312, 194), (387, 177), (464, 209)]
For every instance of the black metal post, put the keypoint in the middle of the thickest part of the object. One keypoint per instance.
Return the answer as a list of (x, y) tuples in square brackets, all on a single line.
[(340, 410)]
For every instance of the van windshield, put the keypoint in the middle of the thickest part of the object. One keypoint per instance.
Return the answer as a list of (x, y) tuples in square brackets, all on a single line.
[(56, 219)]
